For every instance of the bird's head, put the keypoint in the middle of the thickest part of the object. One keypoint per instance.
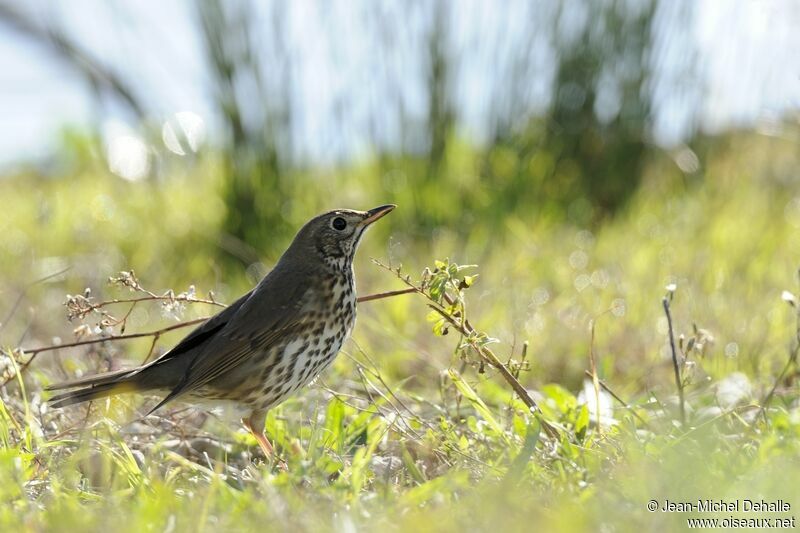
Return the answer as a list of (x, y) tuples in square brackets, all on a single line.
[(333, 237)]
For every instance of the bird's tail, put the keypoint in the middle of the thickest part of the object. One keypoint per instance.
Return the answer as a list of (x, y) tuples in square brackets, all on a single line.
[(94, 387)]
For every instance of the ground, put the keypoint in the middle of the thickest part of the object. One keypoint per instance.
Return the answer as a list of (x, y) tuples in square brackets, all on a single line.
[(415, 426)]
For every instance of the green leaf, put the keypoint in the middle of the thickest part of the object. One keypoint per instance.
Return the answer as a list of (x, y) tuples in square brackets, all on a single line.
[(361, 459), (469, 280), (334, 423), (478, 404), (438, 286), (452, 270), (517, 467), (411, 466), (582, 423)]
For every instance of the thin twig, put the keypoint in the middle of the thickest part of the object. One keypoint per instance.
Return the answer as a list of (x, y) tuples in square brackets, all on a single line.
[(675, 364), (466, 329), (178, 298), (382, 295), (24, 291), (376, 373), (522, 357), (793, 353), (778, 380), (69, 51), (159, 332), (614, 395), (595, 379), (34, 351), (493, 360), (152, 348)]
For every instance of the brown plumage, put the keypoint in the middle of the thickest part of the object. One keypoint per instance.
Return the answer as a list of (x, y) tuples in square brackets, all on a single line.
[(268, 343)]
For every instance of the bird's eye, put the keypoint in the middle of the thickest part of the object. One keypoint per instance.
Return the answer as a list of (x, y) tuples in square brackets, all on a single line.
[(339, 223)]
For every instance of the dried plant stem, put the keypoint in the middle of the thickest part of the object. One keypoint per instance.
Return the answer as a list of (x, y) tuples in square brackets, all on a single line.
[(152, 349), (381, 295), (34, 351), (675, 363), (23, 292), (794, 351), (465, 328), (778, 380), (493, 360), (154, 297), (595, 379), (614, 395), (157, 333)]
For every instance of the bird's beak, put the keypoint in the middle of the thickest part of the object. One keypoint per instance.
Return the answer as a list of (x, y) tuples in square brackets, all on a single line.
[(375, 214)]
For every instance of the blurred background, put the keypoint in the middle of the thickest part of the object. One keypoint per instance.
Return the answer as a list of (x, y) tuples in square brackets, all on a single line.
[(583, 153)]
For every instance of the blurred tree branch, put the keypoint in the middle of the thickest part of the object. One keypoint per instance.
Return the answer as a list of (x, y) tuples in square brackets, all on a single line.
[(101, 77), (252, 90)]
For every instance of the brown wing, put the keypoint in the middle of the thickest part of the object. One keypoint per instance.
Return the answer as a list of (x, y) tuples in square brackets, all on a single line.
[(277, 307), (164, 369), (206, 330), (237, 353)]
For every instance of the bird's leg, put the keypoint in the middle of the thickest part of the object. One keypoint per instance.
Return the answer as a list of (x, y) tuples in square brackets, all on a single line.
[(263, 443), (255, 425)]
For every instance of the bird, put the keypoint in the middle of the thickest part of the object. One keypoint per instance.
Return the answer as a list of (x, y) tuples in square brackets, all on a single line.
[(269, 343)]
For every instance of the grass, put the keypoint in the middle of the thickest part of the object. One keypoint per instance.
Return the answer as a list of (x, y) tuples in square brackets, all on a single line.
[(415, 427)]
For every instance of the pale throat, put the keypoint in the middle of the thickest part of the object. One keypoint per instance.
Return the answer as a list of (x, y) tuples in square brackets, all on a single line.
[(342, 263)]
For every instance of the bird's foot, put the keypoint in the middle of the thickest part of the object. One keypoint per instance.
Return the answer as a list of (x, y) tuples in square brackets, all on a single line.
[(266, 446)]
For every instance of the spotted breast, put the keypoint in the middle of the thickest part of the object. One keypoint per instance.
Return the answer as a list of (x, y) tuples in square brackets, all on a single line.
[(325, 322)]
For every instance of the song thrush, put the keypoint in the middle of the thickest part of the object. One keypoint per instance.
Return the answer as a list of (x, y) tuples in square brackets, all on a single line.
[(268, 343)]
